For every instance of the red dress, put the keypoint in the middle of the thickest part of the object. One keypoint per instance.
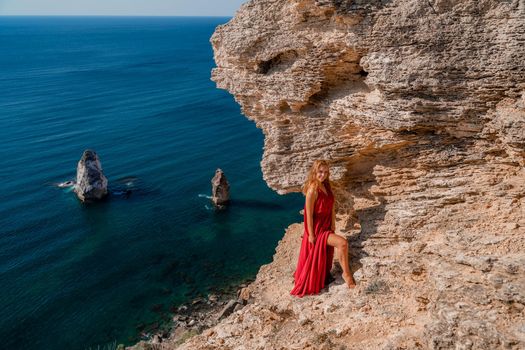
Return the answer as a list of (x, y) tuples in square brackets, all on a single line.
[(315, 260)]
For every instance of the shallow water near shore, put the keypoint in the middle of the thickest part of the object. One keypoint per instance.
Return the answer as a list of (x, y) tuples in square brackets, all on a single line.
[(138, 91)]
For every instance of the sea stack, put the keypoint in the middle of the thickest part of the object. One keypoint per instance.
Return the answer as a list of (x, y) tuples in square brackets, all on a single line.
[(91, 184), (220, 188)]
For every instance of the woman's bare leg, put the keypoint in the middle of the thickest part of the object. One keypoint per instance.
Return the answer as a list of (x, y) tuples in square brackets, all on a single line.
[(341, 244)]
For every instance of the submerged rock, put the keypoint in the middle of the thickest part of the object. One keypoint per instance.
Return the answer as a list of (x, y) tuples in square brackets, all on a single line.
[(66, 184), (220, 190), (91, 183)]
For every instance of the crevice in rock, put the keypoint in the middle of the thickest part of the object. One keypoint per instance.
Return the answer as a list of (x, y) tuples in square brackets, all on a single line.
[(346, 7), (343, 77), (420, 131), (284, 107), (363, 73), (278, 63)]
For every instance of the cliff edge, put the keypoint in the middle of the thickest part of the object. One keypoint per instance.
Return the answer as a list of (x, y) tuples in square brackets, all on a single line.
[(420, 107)]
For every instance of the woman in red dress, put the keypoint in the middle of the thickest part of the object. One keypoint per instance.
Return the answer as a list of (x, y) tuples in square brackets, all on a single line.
[(319, 239)]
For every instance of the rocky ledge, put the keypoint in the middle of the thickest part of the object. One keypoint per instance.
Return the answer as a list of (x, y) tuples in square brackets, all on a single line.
[(420, 107)]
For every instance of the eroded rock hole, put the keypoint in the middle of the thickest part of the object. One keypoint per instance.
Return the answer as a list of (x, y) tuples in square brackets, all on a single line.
[(281, 62), (342, 77), (284, 107)]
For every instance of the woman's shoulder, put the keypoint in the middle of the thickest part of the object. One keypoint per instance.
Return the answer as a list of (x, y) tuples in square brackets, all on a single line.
[(311, 191)]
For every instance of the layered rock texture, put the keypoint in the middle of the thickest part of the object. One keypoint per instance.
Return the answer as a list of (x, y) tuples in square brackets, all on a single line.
[(419, 105)]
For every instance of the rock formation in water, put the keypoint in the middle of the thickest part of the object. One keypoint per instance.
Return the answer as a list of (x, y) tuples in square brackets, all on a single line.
[(220, 188), (420, 107), (91, 183)]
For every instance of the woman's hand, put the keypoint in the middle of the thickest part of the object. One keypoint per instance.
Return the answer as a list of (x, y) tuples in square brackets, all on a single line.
[(311, 239)]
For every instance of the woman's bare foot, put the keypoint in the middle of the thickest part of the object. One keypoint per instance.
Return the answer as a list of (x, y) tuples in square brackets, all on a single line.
[(349, 280)]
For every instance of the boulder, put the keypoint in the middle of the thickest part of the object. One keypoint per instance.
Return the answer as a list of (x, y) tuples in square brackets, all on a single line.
[(227, 309)]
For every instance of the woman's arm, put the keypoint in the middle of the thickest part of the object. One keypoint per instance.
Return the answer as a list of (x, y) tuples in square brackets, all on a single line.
[(311, 196)]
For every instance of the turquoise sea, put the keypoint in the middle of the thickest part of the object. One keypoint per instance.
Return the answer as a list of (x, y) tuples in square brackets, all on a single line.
[(137, 90)]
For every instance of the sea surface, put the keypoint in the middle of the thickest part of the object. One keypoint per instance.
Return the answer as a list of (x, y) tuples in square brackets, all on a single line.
[(136, 90)]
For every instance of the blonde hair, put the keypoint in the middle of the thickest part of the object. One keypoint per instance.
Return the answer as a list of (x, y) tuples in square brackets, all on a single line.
[(311, 179)]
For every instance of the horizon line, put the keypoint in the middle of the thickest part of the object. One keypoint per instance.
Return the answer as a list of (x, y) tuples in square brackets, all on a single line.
[(104, 15)]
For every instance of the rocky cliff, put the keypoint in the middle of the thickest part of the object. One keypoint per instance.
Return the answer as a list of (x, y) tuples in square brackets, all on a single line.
[(420, 107)]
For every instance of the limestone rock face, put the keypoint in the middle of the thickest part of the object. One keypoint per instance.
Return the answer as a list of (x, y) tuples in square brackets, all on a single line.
[(220, 188), (340, 79), (91, 183), (420, 107)]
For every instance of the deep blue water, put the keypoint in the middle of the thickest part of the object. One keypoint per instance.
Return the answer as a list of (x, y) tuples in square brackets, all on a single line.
[(138, 91)]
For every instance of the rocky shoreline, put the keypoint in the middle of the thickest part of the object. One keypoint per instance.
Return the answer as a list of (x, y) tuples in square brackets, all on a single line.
[(194, 317)]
